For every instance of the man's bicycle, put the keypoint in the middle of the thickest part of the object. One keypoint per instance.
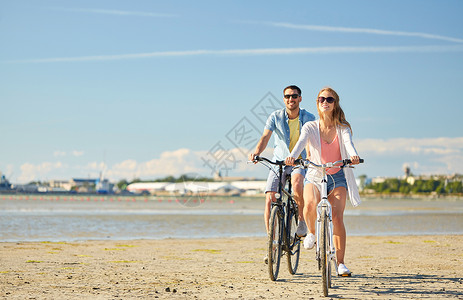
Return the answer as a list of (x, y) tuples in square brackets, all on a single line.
[(325, 251), (283, 222)]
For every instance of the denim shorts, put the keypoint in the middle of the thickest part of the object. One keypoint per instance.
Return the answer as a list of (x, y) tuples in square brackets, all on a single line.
[(336, 180), (272, 180)]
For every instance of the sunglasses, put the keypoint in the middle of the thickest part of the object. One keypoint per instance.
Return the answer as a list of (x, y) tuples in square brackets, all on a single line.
[(328, 99), (293, 95)]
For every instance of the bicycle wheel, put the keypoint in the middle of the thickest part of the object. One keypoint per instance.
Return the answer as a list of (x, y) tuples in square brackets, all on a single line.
[(324, 253), (293, 242), (274, 243)]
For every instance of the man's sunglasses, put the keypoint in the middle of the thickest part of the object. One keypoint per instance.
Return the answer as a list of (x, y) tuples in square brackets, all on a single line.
[(328, 99), (293, 95)]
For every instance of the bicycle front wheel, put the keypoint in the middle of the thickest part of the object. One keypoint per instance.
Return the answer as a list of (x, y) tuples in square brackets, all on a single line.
[(293, 243), (324, 251), (274, 243)]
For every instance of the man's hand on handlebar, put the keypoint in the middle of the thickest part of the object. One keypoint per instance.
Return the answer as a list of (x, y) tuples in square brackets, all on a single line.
[(252, 157)]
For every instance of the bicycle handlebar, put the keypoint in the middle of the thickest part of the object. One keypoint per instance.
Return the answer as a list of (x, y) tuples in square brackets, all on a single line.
[(336, 164), (305, 162), (277, 163)]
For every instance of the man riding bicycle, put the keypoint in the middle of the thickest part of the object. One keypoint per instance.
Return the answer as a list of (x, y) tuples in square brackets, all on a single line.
[(287, 124)]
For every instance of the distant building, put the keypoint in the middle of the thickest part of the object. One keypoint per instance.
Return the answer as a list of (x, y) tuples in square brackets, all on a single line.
[(60, 185)]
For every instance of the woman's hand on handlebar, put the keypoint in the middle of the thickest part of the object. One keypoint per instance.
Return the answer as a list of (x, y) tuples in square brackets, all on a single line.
[(355, 159), (289, 161)]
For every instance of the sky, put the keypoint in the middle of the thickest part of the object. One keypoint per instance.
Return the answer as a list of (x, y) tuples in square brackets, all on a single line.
[(146, 89)]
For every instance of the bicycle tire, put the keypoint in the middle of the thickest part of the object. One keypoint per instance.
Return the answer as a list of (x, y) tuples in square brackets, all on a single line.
[(293, 243), (324, 252), (274, 243)]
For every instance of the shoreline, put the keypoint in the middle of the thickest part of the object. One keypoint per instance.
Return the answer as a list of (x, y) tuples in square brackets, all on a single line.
[(384, 267), (218, 195), (211, 238)]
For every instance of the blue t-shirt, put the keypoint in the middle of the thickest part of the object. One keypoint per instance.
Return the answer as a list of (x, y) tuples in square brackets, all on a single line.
[(277, 122)]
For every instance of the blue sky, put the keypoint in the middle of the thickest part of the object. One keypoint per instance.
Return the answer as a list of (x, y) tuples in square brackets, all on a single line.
[(153, 88)]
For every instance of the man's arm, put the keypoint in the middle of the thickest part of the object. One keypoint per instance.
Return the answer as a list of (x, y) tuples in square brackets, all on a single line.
[(262, 144)]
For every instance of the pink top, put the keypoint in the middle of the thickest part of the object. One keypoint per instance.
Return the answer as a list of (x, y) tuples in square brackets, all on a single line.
[(330, 152)]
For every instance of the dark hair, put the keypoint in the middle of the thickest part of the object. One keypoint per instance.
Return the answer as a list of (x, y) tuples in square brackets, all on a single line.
[(293, 87)]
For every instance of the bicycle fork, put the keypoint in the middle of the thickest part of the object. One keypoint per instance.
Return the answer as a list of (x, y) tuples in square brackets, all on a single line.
[(324, 208)]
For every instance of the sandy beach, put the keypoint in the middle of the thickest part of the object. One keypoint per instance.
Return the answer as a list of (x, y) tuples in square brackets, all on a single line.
[(391, 267)]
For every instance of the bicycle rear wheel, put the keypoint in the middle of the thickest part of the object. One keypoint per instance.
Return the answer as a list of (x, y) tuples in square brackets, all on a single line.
[(324, 251), (293, 242), (274, 243)]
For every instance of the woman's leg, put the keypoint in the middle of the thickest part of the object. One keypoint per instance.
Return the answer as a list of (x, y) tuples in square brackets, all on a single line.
[(338, 203), (311, 199)]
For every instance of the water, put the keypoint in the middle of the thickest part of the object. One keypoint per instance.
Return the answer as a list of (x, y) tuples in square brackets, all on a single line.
[(74, 218)]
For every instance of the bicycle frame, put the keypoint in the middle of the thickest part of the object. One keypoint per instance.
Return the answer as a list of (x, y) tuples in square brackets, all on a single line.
[(284, 207), (324, 208), (284, 211)]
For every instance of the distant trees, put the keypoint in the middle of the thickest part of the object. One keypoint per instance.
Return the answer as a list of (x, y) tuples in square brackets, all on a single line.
[(122, 184), (418, 186)]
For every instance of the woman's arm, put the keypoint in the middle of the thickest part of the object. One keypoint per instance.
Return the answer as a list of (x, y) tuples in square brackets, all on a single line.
[(349, 145)]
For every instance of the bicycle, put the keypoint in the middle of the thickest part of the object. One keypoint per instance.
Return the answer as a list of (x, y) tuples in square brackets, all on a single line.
[(325, 252), (283, 222)]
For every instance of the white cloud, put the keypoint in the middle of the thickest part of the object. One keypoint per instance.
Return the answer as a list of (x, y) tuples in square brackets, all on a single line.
[(382, 158), (428, 146), (31, 172), (442, 155), (250, 52), (59, 153), (365, 30), (77, 153)]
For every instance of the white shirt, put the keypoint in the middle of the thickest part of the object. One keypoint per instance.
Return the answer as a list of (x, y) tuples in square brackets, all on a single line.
[(311, 132)]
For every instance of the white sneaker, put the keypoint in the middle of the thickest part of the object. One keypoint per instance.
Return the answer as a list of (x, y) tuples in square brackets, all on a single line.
[(309, 241), (301, 230), (343, 270)]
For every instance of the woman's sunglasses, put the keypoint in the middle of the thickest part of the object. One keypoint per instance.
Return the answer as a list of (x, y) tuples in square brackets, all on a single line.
[(328, 99)]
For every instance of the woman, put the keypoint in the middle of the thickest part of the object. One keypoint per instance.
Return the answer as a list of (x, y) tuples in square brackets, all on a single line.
[(328, 140)]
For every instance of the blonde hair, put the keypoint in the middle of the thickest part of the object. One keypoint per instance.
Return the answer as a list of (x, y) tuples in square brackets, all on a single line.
[(337, 116)]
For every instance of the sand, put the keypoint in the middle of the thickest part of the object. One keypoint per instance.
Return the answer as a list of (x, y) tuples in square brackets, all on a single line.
[(393, 267)]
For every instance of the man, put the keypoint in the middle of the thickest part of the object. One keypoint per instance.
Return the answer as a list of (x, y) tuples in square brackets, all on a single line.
[(287, 124)]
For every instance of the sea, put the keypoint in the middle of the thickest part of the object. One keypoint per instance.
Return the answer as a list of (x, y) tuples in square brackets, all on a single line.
[(96, 217)]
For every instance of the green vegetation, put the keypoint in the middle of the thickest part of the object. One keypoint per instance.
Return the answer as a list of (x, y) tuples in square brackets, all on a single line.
[(172, 179), (440, 185)]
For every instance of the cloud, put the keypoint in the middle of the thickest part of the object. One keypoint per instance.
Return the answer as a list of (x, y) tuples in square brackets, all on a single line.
[(364, 30), (443, 155), (77, 153), (31, 172), (116, 12), (249, 52), (181, 161), (59, 153), (383, 157), (425, 146)]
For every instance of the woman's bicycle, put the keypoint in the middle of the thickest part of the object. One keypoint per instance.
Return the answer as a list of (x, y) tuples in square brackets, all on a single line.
[(283, 222), (325, 251)]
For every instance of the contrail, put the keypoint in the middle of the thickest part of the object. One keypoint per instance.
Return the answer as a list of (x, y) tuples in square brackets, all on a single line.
[(248, 52), (365, 30)]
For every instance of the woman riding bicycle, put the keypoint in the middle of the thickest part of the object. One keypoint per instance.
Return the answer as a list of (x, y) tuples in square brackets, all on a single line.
[(328, 139)]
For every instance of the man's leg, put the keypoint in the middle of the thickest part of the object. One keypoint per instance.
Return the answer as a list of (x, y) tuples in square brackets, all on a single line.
[(297, 181), (270, 191), (269, 198)]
